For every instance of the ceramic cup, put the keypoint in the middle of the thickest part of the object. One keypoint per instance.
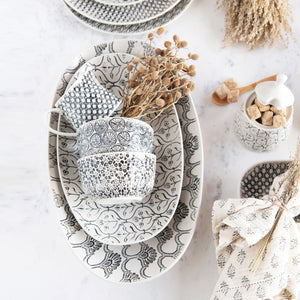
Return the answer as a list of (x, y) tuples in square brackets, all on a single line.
[(117, 177), (86, 100), (114, 134), (258, 137)]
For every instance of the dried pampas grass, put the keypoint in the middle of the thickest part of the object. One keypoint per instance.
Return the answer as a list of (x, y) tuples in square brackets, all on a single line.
[(257, 22)]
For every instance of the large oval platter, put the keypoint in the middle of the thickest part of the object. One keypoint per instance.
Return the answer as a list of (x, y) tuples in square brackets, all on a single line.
[(149, 259), (129, 223)]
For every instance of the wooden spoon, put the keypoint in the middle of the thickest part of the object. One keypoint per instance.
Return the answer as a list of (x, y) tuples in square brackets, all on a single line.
[(217, 100)]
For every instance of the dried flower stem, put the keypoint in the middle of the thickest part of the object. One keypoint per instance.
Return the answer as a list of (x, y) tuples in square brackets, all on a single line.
[(292, 181), (257, 22)]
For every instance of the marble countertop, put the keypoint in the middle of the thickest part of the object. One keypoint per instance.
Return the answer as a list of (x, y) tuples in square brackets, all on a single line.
[(39, 39)]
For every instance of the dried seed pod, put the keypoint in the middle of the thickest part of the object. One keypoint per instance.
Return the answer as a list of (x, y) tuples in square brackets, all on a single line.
[(184, 81), (152, 69), (186, 91), (129, 68), (177, 94), (192, 68), (170, 66), (194, 56), (133, 77), (183, 44), (136, 60), (168, 44), (148, 59), (176, 82), (133, 84), (190, 55), (192, 73), (176, 39), (160, 102), (158, 51), (150, 36), (154, 61), (160, 31), (142, 69), (185, 68), (154, 75), (166, 81), (191, 85)]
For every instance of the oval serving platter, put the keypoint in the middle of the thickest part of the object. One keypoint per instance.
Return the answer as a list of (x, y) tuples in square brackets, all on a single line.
[(127, 223), (145, 260)]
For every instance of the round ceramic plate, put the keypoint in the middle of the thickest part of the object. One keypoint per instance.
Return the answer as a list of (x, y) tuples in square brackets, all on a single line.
[(146, 260), (126, 223), (135, 28), (121, 15), (118, 2)]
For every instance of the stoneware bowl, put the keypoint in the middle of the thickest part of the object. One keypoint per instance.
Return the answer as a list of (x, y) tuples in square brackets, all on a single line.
[(258, 137), (117, 177), (114, 134), (257, 180), (87, 100)]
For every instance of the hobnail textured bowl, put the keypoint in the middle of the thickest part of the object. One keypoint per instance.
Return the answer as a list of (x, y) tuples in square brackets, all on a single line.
[(114, 134), (117, 177), (258, 179), (87, 100)]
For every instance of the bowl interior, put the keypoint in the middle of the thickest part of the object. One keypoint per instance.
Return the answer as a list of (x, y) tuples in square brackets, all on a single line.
[(257, 181), (249, 102)]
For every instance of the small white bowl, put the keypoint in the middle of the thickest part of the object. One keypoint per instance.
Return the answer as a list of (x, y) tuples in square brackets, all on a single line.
[(258, 137), (117, 177)]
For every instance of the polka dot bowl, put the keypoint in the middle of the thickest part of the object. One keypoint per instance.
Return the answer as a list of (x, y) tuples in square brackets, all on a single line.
[(117, 177)]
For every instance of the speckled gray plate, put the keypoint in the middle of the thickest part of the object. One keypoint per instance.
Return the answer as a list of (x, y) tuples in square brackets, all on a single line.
[(122, 15), (147, 260), (118, 2), (135, 28)]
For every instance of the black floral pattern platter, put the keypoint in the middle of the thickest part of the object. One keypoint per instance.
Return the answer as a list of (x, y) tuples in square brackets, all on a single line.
[(125, 223), (138, 28), (149, 259), (122, 15)]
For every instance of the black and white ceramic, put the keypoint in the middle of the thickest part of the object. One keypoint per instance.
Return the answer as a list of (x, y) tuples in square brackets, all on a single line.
[(117, 177), (151, 215), (115, 134), (122, 15), (258, 180), (146, 26), (146, 260), (255, 136), (87, 100), (118, 2)]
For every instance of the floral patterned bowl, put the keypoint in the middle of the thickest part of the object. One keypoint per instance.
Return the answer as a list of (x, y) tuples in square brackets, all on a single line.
[(117, 177), (258, 137), (114, 134)]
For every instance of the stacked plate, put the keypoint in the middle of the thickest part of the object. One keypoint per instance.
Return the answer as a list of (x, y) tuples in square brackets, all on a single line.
[(133, 241), (126, 16)]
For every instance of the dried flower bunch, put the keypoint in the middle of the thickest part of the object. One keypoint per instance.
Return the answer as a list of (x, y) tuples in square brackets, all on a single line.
[(158, 81), (257, 22)]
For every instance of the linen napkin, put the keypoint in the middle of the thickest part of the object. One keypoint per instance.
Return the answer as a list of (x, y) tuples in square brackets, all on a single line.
[(240, 228)]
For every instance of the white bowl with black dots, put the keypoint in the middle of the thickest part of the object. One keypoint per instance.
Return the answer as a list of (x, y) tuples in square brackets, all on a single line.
[(87, 100)]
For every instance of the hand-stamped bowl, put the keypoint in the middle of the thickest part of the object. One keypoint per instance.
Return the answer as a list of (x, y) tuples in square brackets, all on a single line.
[(117, 177), (258, 137), (114, 134)]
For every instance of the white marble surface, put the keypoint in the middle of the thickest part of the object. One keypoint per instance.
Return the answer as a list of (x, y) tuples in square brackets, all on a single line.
[(38, 40)]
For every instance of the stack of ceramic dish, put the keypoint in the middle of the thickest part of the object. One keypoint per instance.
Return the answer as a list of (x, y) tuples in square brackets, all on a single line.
[(133, 241), (126, 16)]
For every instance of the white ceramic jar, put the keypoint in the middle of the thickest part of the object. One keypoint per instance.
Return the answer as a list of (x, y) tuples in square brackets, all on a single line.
[(258, 137)]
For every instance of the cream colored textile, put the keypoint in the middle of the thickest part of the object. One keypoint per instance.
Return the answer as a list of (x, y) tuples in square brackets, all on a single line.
[(239, 227)]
